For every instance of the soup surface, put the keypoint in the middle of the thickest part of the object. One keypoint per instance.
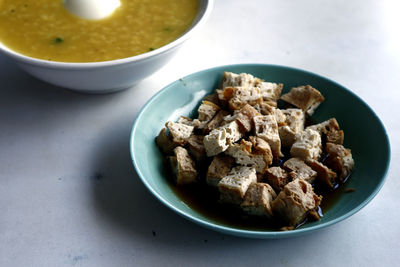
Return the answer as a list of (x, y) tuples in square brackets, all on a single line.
[(45, 29)]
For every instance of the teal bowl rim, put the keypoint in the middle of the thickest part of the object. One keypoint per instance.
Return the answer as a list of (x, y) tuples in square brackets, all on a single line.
[(252, 233)]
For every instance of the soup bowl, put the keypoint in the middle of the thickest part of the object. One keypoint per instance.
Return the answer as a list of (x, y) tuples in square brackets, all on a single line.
[(107, 76), (360, 124)]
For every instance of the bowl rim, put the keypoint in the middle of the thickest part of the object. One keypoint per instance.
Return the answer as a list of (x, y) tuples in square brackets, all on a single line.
[(199, 20), (245, 232)]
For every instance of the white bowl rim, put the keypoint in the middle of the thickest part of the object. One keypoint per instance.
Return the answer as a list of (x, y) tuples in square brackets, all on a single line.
[(208, 4)]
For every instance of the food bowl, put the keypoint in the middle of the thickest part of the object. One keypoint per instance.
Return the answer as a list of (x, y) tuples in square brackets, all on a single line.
[(364, 134), (107, 76)]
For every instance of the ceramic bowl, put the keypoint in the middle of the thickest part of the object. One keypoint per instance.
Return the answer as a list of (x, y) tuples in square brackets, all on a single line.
[(364, 134), (107, 76)]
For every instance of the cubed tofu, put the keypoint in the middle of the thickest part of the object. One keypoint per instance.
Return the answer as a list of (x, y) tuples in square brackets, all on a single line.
[(212, 98), (266, 109), (277, 178), (216, 122), (220, 166), (270, 92), (331, 130), (257, 200), (294, 124), (308, 145), (245, 95), (179, 132), (340, 160), (244, 117), (218, 140), (164, 142), (325, 176), (295, 201), (298, 169), (183, 166), (246, 80), (196, 148), (207, 110), (266, 128), (305, 97), (255, 154), (233, 187)]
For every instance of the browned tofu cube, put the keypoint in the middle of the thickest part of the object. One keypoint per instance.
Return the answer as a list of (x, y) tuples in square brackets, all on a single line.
[(254, 153), (339, 159), (233, 187), (331, 130), (266, 127), (196, 148), (220, 166), (183, 166), (305, 97), (325, 175), (257, 200), (270, 92), (298, 169), (295, 201), (179, 132), (164, 142), (277, 178), (215, 122), (244, 117)]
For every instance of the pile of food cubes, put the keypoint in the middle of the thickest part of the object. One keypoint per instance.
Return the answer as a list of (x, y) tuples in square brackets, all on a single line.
[(239, 136)]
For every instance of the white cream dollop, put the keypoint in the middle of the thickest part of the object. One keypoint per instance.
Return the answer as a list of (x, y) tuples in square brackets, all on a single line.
[(91, 9)]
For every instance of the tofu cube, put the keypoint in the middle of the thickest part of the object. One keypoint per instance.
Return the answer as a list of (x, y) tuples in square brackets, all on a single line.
[(257, 200), (266, 127), (308, 145), (305, 97), (340, 160), (325, 175), (331, 130), (233, 187), (295, 201), (270, 92), (294, 124), (179, 132), (220, 166), (255, 154), (298, 169), (218, 140), (164, 142), (277, 178), (183, 166)]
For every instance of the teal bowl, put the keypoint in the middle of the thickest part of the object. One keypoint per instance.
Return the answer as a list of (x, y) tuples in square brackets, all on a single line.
[(365, 135)]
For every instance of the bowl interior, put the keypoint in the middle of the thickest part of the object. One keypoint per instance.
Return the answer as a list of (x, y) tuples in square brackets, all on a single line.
[(364, 135)]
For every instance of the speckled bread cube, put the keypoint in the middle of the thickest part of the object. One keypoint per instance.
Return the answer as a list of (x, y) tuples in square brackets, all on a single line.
[(266, 128), (164, 142), (257, 200), (339, 159), (305, 97), (218, 140), (277, 178), (298, 169), (220, 166), (179, 132), (331, 130), (295, 201), (325, 175), (183, 166), (294, 124), (244, 117), (270, 92), (308, 145), (233, 187), (255, 153)]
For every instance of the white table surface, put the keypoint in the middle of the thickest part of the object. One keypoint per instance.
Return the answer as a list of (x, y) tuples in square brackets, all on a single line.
[(69, 195)]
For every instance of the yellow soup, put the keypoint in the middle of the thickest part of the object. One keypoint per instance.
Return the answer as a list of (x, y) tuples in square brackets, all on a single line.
[(45, 29)]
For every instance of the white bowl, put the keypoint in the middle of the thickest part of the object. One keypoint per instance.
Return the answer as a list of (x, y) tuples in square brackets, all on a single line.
[(106, 76)]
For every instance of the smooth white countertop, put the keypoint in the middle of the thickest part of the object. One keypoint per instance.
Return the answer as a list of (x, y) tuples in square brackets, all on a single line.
[(69, 195)]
